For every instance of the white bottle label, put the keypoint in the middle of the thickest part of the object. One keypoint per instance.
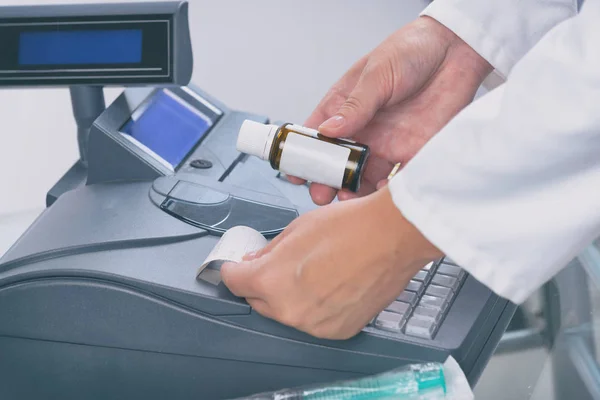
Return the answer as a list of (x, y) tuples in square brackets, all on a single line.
[(314, 160)]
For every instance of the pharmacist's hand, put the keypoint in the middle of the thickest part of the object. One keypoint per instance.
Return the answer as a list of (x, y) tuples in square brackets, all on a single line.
[(397, 97), (333, 269)]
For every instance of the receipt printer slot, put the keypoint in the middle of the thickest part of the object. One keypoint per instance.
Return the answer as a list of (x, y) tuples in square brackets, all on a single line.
[(217, 212)]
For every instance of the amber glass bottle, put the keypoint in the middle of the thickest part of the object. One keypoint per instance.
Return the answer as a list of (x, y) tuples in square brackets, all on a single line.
[(305, 153)]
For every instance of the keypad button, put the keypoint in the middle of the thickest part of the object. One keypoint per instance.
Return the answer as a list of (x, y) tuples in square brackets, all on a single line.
[(420, 327), (451, 270), (433, 302), (421, 276), (428, 313), (408, 297), (389, 321), (427, 267), (446, 281), (398, 307), (439, 291), (415, 286)]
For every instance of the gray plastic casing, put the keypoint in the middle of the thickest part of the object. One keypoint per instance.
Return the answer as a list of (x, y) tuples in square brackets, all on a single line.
[(98, 299)]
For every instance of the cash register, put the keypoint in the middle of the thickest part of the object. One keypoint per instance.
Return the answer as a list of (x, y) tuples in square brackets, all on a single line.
[(99, 298)]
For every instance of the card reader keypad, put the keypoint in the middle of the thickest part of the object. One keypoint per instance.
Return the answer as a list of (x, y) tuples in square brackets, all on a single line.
[(421, 308)]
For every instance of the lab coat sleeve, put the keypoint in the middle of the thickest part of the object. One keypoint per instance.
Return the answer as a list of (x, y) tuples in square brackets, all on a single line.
[(510, 188), (501, 31)]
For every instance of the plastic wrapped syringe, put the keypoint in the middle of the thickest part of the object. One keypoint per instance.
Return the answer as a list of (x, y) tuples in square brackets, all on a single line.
[(413, 382), (428, 381)]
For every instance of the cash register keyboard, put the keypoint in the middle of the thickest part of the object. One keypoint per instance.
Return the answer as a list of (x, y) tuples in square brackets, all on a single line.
[(420, 309)]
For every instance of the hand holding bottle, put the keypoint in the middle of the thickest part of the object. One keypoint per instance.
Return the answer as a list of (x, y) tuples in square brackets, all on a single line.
[(397, 97)]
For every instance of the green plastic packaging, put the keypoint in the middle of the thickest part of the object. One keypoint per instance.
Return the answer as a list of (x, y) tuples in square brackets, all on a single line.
[(412, 382)]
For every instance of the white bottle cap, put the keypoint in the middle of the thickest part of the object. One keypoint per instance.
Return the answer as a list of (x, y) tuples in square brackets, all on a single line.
[(256, 139)]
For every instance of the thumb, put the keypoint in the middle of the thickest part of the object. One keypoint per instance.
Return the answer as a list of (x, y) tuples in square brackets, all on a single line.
[(372, 91), (241, 278)]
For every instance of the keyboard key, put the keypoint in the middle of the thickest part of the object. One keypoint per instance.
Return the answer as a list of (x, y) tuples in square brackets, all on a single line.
[(433, 302), (415, 286), (428, 313), (398, 307), (446, 281), (421, 276), (451, 270), (420, 327), (389, 321), (408, 297), (439, 291), (427, 267)]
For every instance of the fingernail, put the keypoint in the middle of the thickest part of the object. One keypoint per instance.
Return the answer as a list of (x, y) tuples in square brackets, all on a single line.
[(250, 256), (334, 122)]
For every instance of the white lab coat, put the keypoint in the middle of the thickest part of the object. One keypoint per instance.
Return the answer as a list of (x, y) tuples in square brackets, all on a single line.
[(510, 188)]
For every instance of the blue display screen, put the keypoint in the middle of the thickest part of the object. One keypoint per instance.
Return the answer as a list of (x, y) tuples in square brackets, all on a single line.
[(81, 47), (169, 127)]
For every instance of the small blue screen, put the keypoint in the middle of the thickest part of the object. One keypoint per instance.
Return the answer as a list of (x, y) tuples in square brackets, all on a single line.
[(81, 47), (169, 127)]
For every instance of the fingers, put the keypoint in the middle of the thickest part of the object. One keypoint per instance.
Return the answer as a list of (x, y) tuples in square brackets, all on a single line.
[(273, 243), (321, 194), (295, 181), (377, 168), (336, 96), (242, 278), (366, 188), (245, 279), (268, 248), (344, 195), (338, 100), (372, 91)]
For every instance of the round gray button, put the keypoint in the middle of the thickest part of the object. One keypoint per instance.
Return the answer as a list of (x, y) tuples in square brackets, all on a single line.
[(201, 164)]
